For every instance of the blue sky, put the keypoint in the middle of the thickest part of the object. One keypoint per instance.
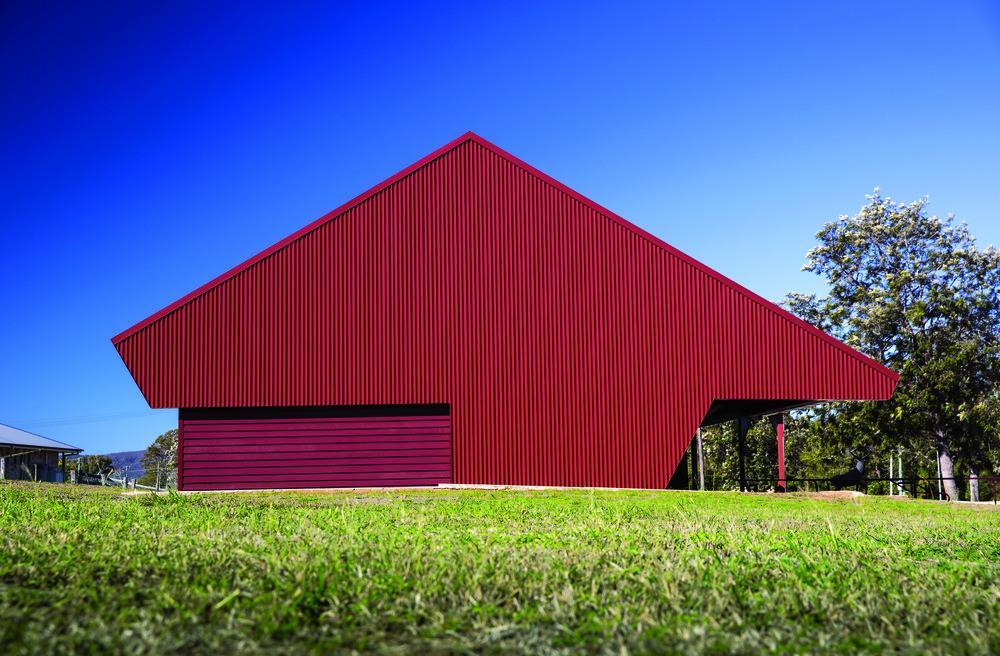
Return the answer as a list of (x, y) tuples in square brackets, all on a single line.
[(147, 147)]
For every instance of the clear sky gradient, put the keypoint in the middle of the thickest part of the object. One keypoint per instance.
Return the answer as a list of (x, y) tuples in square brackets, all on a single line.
[(148, 147)]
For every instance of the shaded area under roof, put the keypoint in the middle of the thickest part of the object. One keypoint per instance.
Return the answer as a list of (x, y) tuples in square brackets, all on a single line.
[(729, 409), (10, 436)]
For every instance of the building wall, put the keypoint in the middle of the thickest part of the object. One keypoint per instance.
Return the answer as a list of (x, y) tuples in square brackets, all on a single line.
[(27, 466), (572, 348)]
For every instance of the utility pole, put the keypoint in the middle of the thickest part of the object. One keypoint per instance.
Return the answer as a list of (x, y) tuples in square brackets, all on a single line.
[(157, 477)]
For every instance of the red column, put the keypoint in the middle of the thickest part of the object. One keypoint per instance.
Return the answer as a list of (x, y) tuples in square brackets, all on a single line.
[(779, 427)]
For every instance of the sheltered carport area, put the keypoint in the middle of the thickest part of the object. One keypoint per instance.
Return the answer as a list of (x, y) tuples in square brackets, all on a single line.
[(27, 456), (744, 413)]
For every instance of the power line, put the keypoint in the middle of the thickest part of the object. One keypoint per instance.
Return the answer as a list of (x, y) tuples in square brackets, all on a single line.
[(89, 419)]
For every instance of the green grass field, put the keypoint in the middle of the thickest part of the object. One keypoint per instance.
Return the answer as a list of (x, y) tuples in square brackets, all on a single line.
[(92, 570)]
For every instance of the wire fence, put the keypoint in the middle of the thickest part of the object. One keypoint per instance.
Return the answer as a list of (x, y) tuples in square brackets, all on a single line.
[(915, 487), (122, 481)]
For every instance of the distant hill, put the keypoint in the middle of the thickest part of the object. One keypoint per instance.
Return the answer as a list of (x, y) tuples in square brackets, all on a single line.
[(131, 459)]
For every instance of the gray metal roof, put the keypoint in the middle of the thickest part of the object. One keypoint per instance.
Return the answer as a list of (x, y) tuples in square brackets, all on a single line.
[(17, 437)]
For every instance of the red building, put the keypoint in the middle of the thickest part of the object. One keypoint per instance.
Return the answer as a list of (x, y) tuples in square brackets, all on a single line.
[(471, 320)]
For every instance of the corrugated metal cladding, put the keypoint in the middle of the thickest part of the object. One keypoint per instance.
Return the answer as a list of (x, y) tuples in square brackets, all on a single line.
[(232, 451), (572, 347)]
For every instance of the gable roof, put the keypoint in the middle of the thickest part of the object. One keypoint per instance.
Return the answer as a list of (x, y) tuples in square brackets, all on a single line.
[(10, 436), (471, 136)]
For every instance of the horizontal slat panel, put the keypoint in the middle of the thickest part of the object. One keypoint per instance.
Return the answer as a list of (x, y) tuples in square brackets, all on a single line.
[(389, 432), (270, 453), (291, 485), (316, 427), (314, 473), (330, 477), (299, 421), (317, 465), (428, 440), (318, 456), (326, 444), (312, 448)]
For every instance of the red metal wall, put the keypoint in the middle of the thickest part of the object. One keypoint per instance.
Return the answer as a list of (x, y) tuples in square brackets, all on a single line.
[(572, 347)]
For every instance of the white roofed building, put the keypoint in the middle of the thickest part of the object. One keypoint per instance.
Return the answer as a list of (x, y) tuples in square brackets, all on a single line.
[(27, 456)]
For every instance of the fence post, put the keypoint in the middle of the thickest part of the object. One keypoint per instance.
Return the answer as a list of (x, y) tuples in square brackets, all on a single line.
[(890, 474), (701, 464)]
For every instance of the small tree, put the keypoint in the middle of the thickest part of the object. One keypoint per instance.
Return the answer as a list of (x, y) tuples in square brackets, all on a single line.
[(161, 456)]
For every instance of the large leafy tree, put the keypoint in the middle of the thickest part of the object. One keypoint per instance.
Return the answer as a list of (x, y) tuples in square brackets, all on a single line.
[(915, 292), (161, 456)]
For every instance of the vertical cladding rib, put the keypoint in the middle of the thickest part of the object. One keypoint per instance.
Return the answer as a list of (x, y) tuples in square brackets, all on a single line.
[(573, 348)]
